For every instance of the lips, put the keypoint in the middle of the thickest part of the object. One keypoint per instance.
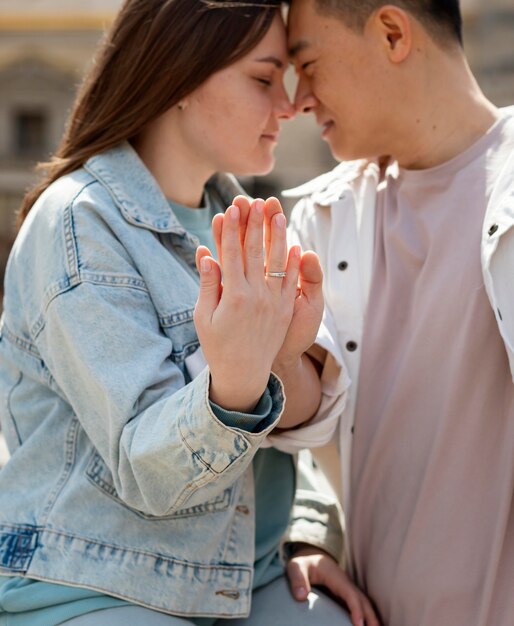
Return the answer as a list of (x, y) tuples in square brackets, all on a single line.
[(270, 136), (325, 127)]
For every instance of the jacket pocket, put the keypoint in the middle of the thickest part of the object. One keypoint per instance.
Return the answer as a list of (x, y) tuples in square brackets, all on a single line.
[(100, 476)]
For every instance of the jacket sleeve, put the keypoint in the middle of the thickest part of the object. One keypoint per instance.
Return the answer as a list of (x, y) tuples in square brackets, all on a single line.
[(110, 361)]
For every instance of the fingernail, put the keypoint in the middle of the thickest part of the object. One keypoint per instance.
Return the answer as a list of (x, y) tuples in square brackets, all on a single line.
[(301, 593), (205, 265), (259, 206), (297, 251), (280, 220), (234, 212)]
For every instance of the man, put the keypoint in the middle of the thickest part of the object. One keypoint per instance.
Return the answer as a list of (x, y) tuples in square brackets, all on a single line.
[(416, 236)]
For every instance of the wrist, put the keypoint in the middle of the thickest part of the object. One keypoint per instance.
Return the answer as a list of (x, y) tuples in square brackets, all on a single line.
[(287, 363), (236, 397)]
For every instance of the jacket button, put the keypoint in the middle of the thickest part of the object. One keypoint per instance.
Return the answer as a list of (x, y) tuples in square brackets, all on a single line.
[(343, 265), (351, 346), (241, 508), (492, 230)]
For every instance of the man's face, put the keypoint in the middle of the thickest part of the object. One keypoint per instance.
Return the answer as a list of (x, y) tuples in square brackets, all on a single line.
[(343, 80)]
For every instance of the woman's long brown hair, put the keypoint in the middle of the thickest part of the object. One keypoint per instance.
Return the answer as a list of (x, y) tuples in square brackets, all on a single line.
[(156, 53)]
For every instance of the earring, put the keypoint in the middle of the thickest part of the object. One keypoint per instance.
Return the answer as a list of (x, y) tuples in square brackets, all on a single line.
[(181, 106)]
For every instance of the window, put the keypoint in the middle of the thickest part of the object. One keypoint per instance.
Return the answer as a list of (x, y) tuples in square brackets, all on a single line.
[(30, 134)]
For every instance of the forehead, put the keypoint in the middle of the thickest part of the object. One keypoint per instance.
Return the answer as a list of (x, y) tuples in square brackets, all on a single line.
[(306, 28), (273, 43)]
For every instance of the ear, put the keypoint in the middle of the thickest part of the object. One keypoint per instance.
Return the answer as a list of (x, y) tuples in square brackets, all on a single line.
[(394, 27)]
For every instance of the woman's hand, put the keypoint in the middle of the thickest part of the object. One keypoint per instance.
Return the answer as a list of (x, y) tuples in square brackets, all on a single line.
[(308, 306), (311, 566), (308, 309), (242, 322), (297, 372)]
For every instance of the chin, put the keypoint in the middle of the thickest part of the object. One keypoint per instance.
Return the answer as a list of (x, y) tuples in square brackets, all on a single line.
[(260, 168)]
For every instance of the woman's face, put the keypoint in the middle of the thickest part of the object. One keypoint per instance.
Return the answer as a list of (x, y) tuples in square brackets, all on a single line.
[(231, 122)]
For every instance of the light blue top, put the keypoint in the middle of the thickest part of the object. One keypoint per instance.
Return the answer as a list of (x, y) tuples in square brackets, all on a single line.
[(27, 602)]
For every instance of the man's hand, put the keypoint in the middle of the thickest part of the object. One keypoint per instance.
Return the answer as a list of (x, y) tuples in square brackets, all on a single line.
[(311, 566)]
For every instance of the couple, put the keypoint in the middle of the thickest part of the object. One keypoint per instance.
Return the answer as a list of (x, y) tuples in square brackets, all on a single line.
[(143, 488)]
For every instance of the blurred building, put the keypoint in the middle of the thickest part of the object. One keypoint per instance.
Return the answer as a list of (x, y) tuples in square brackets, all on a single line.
[(46, 45)]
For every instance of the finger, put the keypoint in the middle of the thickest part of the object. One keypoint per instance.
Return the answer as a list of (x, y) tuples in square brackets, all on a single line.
[(201, 251), (253, 252), (340, 585), (311, 275), (217, 229), (355, 608), (277, 260), (210, 287), (370, 617), (272, 206), (243, 204), (290, 282), (233, 274), (297, 574)]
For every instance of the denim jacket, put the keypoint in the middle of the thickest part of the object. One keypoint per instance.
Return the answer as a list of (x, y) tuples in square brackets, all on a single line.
[(121, 478)]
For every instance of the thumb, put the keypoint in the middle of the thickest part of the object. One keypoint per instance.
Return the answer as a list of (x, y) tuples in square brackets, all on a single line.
[(210, 283), (311, 275), (298, 579)]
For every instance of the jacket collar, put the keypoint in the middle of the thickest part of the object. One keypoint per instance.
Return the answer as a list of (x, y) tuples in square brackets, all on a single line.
[(137, 194), (330, 187)]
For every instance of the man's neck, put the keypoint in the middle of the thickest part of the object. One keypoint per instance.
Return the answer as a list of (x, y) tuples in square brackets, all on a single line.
[(448, 116)]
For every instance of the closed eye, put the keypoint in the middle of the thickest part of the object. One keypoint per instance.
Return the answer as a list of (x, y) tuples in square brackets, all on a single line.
[(264, 81)]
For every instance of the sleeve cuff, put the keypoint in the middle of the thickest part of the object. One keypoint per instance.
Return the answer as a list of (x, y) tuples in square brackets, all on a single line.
[(250, 422)]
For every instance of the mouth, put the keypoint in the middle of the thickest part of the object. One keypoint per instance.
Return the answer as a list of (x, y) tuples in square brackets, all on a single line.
[(326, 127), (273, 137)]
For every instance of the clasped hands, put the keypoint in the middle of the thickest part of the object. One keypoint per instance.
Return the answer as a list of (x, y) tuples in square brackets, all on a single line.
[(248, 322)]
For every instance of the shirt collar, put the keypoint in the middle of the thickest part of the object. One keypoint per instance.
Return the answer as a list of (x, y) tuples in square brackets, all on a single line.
[(330, 187)]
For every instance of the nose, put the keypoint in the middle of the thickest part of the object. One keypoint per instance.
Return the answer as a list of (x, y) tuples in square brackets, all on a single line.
[(304, 100), (284, 107)]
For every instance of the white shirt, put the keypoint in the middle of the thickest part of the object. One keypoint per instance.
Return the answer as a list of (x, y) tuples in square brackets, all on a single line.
[(336, 218)]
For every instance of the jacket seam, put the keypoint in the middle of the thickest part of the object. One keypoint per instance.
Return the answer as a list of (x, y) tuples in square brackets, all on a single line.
[(71, 438), (41, 528), (24, 345), (40, 323), (70, 239)]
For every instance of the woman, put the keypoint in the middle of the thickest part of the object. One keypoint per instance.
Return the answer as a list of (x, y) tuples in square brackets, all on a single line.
[(137, 482)]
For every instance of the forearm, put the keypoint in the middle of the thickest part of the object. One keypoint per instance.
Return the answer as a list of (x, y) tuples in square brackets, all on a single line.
[(302, 390)]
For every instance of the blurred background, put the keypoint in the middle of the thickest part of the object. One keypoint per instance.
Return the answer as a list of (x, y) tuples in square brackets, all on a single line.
[(46, 46)]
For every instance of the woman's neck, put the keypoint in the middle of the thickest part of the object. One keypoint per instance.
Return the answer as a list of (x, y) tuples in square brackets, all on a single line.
[(177, 171)]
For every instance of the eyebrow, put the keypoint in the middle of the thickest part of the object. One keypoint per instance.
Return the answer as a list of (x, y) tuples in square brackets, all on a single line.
[(298, 47), (276, 62)]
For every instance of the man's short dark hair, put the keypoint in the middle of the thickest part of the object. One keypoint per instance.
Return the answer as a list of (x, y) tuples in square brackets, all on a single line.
[(441, 18)]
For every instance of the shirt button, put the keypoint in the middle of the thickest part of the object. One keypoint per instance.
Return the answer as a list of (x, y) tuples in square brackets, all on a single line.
[(343, 265), (351, 346), (492, 230)]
